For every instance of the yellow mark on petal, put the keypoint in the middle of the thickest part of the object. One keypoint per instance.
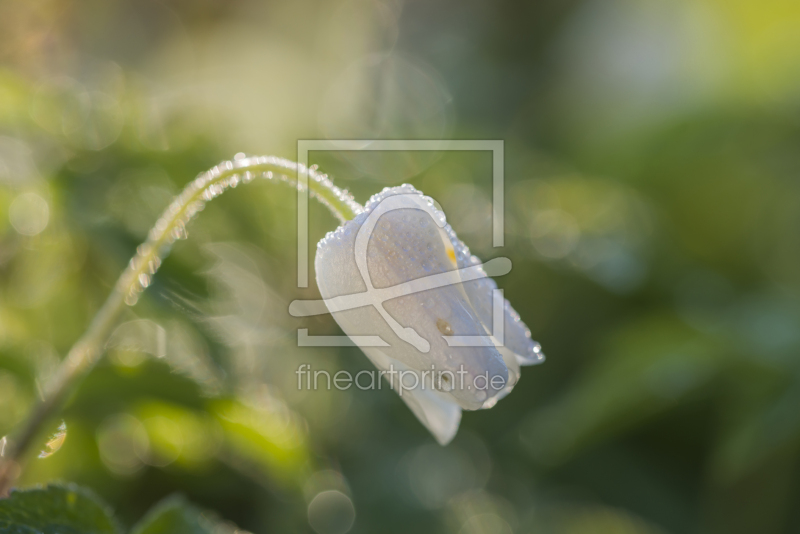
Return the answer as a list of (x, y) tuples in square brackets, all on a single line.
[(452, 255)]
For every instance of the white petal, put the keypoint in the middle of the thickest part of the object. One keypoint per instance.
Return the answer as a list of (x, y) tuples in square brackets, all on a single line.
[(517, 336), (405, 245), (440, 415)]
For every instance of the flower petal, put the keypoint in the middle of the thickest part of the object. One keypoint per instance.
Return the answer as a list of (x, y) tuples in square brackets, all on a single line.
[(440, 415), (517, 336), (406, 244), (383, 264)]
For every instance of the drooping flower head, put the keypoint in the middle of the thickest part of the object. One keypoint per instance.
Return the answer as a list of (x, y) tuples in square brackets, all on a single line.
[(399, 281)]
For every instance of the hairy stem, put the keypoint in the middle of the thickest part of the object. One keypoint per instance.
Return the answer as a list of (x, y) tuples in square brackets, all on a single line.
[(144, 264)]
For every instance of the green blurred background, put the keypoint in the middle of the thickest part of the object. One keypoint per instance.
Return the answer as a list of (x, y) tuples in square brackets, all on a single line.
[(652, 215)]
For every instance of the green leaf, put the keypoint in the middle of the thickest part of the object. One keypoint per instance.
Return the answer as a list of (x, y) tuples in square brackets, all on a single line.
[(174, 515), (56, 509)]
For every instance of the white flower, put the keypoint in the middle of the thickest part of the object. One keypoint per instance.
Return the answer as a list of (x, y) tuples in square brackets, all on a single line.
[(402, 237)]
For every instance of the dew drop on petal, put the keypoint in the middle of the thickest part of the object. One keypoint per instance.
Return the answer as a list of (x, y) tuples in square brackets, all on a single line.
[(55, 442), (444, 327)]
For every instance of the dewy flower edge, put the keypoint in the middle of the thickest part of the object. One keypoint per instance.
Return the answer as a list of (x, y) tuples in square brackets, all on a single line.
[(409, 242)]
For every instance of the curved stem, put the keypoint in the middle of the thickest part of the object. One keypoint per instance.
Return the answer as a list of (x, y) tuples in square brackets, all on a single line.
[(138, 275)]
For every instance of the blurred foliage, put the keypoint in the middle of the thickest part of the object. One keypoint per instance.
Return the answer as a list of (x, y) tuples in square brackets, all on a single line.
[(175, 516), (72, 510), (55, 509), (652, 216)]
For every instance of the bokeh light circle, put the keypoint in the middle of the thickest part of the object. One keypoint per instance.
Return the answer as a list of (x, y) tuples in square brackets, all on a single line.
[(331, 512), (29, 214)]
